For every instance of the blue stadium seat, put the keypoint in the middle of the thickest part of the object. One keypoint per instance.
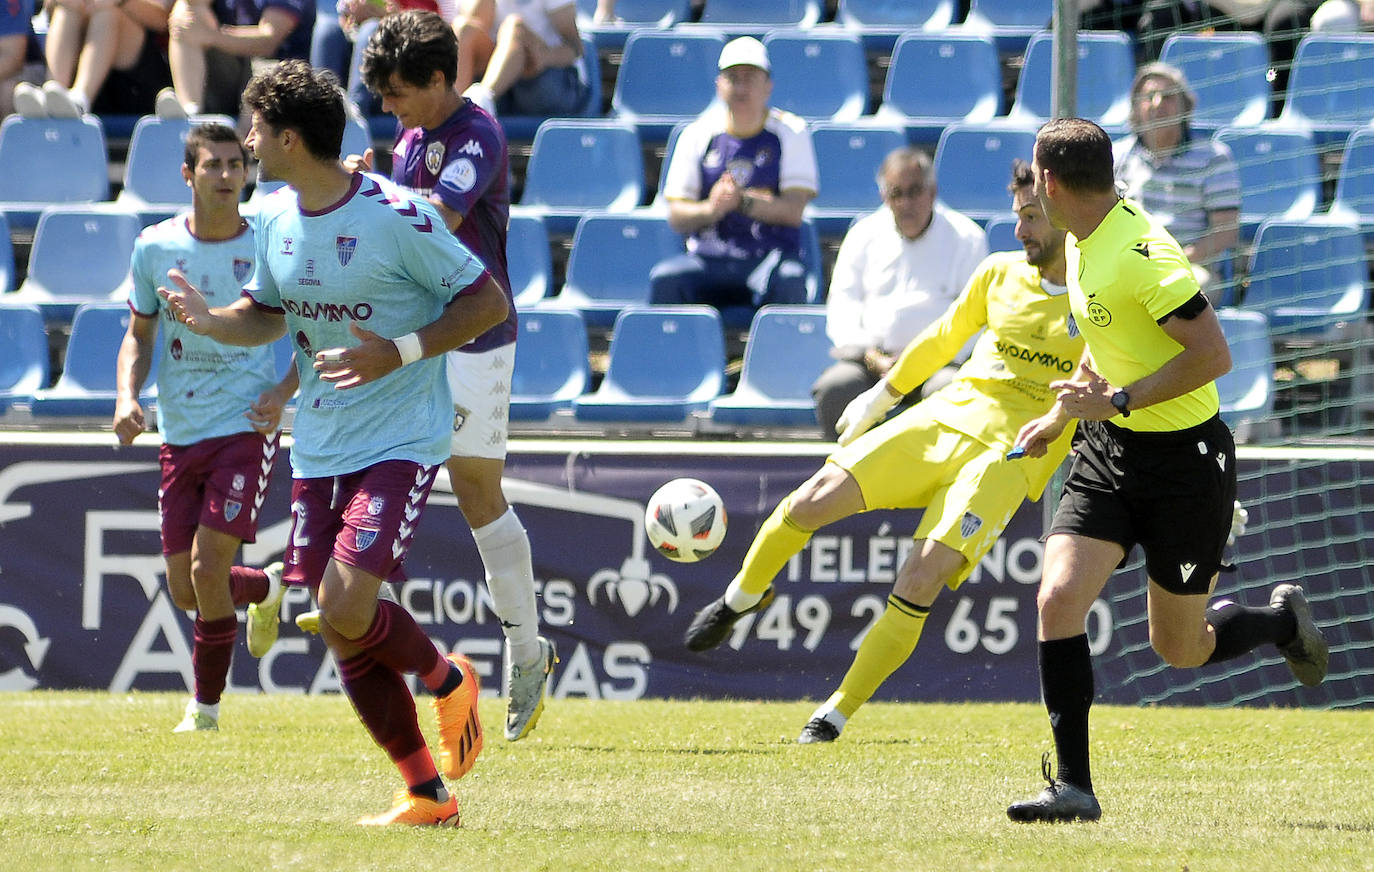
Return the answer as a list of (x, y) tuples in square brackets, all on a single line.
[(528, 259), (666, 362), (153, 186), (524, 127), (577, 165), (1309, 278), (1354, 199), (58, 278), (1106, 66), (1229, 73), (1001, 232), (973, 164), (630, 15), (7, 269), (24, 364), (551, 363), (609, 266), (741, 17), (786, 352), (49, 161), (87, 384), (1280, 173), (880, 22), (665, 78), (847, 158), (841, 94), (1247, 391), (671, 142), (969, 74), (1331, 85), (1011, 23)]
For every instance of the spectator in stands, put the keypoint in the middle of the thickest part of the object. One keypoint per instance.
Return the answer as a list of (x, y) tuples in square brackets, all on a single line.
[(342, 32), (102, 55), (1344, 16), (897, 271), (15, 30), (1188, 182), (1282, 22), (605, 11), (214, 42), (519, 57), (739, 178)]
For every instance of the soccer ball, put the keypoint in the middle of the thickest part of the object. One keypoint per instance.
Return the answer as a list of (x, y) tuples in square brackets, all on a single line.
[(685, 520)]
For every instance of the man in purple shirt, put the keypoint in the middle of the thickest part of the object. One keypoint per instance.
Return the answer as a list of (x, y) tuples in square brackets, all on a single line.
[(454, 153)]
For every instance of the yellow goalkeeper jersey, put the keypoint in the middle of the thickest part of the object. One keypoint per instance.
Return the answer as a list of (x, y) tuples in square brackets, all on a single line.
[(1028, 341), (1124, 277)]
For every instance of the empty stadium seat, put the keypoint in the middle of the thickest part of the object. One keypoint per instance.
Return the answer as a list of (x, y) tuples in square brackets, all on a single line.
[(153, 185), (1280, 173), (1106, 66), (665, 78), (848, 157), (841, 94), (669, 144), (577, 165), (973, 164), (24, 363), (87, 384), (1310, 279), (739, 17), (1354, 199), (666, 362), (1247, 390), (551, 363), (608, 268), (49, 161), (7, 269), (79, 254), (1011, 23), (1229, 73), (1001, 231), (879, 23), (1331, 85), (528, 261), (937, 79), (630, 15), (786, 352)]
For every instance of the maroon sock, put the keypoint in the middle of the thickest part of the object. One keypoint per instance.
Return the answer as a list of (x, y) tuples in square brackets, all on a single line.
[(210, 656), (396, 640), (384, 705), (247, 585)]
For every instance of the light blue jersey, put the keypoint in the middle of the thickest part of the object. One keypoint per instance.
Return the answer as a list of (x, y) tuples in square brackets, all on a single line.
[(203, 387), (386, 260)]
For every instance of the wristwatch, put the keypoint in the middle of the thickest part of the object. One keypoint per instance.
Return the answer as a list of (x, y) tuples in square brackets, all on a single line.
[(1120, 400)]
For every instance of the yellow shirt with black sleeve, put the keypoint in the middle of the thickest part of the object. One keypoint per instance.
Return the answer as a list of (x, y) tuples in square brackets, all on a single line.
[(1125, 276), (1028, 341)]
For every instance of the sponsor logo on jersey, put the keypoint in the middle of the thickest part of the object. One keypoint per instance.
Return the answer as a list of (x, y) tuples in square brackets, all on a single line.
[(243, 268), (312, 311), (434, 157), (1012, 350), (461, 174), (176, 349), (344, 247), (236, 486)]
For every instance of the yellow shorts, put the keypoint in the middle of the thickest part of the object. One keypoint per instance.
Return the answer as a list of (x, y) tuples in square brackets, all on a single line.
[(969, 490)]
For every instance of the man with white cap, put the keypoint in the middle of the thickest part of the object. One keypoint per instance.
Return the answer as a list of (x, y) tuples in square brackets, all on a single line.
[(737, 182)]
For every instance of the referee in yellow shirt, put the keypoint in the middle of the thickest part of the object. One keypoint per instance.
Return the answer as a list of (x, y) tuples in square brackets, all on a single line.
[(946, 454), (1155, 464)]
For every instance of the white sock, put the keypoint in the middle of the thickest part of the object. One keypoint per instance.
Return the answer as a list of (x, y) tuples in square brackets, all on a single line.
[(505, 550), (827, 712), (738, 600), (211, 710)]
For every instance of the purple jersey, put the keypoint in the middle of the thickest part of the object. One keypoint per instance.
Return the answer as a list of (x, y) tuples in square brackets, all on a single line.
[(464, 163), (249, 12)]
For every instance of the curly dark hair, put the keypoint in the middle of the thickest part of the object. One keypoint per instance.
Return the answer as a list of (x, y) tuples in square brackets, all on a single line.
[(412, 44), (1078, 153), (293, 95)]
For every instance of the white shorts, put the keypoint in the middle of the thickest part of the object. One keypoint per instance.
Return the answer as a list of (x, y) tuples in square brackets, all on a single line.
[(480, 384)]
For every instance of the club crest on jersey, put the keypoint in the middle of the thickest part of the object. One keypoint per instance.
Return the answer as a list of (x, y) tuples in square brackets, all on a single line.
[(344, 247), (232, 509), (969, 524), (176, 350), (364, 539), (242, 269), (237, 484), (434, 157), (375, 505), (1073, 328)]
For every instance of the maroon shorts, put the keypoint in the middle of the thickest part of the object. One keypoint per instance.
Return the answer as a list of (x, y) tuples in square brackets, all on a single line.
[(365, 519), (217, 483)]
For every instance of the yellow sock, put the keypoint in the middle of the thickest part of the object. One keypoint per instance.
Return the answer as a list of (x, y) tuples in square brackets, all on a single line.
[(777, 540), (887, 646)]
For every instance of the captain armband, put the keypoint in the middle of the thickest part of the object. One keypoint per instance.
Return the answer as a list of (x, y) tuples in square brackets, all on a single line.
[(1189, 310)]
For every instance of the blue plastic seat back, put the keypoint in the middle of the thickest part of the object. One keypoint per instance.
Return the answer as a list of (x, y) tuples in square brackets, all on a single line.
[(53, 160), (1355, 183), (841, 94), (1249, 386), (848, 157), (1332, 80), (1012, 13), (89, 363), (951, 75), (787, 351), (157, 149), (774, 13), (529, 261), (1307, 276), (1229, 73), (24, 363), (613, 254), (584, 164), (1106, 67), (81, 253), (662, 13), (1280, 173), (673, 352), (551, 363), (7, 268), (667, 74), (973, 164), (1001, 233), (906, 14)]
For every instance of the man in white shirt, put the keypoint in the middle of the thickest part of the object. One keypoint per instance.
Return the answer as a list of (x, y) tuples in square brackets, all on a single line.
[(897, 271)]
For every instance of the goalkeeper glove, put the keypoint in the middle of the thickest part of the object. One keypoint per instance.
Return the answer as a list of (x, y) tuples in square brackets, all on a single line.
[(1239, 519), (865, 410)]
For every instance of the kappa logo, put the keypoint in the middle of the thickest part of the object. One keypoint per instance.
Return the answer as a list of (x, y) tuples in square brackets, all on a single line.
[(471, 147), (1186, 570)]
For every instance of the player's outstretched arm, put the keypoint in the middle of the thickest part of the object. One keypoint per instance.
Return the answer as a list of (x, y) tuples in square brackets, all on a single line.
[(865, 410), (239, 323)]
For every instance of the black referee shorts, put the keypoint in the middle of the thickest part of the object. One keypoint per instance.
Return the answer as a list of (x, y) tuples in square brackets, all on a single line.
[(1171, 492)]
